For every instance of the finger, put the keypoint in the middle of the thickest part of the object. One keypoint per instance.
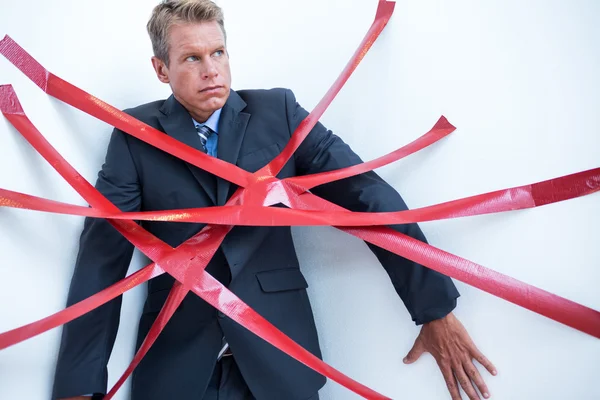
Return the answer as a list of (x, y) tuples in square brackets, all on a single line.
[(481, 359), (474, 375), (414, 353), (450, 381), (465, 382)]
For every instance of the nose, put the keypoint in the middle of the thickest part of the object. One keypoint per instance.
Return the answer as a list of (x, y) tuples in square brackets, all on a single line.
[(210, 70)]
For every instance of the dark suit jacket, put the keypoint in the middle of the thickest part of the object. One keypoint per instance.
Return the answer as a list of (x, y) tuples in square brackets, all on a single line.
[(259, 264)]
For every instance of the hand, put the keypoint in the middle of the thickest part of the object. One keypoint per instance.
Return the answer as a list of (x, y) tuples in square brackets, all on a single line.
[(449, 343)]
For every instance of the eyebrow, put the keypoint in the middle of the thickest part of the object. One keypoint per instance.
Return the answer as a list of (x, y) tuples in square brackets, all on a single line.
[(191, 50)]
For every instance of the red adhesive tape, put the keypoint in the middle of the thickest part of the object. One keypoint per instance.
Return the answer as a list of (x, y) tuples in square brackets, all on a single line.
[(517, 198), (384, 13), (175, 298), (439, 131), (562, 310), (28, 331), (187, 262)]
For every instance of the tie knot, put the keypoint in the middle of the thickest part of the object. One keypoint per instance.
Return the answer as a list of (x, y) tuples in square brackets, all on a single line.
[(204, 133)]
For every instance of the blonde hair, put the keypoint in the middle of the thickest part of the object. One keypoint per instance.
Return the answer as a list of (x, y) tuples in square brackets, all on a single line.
[(171, 12)]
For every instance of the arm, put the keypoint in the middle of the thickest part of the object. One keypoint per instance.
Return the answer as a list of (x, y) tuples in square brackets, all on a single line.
[(103, 259), (427, 294)]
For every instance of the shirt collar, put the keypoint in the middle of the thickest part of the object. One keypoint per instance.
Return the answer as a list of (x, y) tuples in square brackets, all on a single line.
[(212, 122)]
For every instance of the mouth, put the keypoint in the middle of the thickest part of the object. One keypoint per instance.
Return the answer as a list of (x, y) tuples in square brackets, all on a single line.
[(211, 89)]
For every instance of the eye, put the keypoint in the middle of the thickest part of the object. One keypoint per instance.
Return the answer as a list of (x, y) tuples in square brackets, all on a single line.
[(219, 53), (192, 58)]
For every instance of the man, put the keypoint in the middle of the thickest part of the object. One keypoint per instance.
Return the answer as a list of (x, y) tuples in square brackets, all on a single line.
[(202, 354)]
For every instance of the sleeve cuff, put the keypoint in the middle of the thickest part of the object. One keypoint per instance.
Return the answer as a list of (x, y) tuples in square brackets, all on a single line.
[(432, 314)]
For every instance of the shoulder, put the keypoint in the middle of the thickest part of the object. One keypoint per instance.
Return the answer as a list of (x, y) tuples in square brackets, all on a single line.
[(146, 112), (260, 99)]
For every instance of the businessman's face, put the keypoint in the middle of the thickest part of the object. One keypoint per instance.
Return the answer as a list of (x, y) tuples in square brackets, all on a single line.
[(198, 70)]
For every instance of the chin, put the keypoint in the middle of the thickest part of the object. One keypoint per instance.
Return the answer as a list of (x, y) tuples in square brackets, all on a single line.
[(215, 103)]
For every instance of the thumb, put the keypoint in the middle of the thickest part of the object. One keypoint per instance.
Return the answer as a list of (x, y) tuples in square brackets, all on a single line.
[(414, 353)]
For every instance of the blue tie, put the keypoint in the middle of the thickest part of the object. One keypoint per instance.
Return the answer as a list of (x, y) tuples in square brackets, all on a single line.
[(204, 133)]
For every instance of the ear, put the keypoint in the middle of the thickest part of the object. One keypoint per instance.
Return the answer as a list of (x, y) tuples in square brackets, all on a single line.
[(162, 72)]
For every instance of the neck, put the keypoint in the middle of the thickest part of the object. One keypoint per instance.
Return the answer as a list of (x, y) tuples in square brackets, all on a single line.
[(200, 117)]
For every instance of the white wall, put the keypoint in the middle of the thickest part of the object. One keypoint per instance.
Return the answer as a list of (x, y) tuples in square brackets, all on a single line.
[(518, 78)]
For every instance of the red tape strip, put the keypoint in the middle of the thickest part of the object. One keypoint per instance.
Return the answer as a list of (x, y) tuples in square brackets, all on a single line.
[(383, 15), (176, 296), (530, 297), (517, 198)]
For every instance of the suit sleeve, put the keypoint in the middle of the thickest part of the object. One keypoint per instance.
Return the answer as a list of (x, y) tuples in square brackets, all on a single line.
[(103, 259), (427, 294)]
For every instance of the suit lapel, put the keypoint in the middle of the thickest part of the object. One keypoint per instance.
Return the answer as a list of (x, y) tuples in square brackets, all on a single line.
[(232, 128), (177, 123)]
